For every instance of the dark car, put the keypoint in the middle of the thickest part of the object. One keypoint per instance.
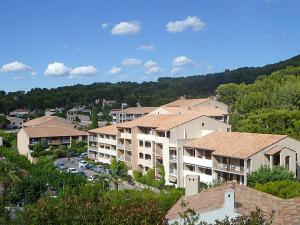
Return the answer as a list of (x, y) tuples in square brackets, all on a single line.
[(60, 166), (88, 166)]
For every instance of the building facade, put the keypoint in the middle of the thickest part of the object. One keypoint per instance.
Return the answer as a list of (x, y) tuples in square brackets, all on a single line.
[(53, 130), (153, 140), (230, 156)]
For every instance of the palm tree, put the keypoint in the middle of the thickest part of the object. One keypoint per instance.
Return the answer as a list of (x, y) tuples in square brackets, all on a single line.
[(119, 172), (9, 173)]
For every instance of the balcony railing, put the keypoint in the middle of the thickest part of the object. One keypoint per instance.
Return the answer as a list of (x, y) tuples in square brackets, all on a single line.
[(173, 158), (121, 158), (230, 168)]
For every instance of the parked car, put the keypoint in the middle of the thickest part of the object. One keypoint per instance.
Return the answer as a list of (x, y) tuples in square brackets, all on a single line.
[(60, 166), (92, 178), (72, 170), (82, 163), (99, 169), (84, 154), (108, 171), (88, 166)]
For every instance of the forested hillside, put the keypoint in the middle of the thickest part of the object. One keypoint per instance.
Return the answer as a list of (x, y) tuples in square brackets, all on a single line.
[(270, 105), (147, 93)]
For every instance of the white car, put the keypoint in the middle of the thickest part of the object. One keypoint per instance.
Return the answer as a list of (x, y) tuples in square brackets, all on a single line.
[(72, 170), (92, 178), (82, 163)]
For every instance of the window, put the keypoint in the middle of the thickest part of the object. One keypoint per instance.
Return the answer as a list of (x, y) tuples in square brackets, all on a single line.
[(141, 144), (287, 163), (202, 124), (141, 155), (147, 144)]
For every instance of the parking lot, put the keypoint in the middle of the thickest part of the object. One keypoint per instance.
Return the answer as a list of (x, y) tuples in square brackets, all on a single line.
[(74, 163)]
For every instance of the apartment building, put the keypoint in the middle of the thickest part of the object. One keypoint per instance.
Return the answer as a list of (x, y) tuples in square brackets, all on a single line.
[(198, 102), (55, 130), (213, 112), (230, 156), (154, 140), (103, 144), (133, 113)]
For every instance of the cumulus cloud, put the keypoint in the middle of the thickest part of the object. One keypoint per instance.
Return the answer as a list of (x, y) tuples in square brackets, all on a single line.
[(83, 70), (151, 67), (57, 69), (115, 70), (182, 60), (126, 28), (131, 62), (191, 22), (14, 67), (149, 48)]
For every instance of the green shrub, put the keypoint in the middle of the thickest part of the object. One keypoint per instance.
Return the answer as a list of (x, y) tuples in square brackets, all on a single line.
[(59, 153), (283, 189), (266, 174)]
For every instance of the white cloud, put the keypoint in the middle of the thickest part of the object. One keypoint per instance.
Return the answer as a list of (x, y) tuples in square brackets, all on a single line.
[(149, 48), (115, 70), (182, 60), (14, 67), (83, 70), (17, 78), (175, 70), (191, 22), (57, 69), (131, 62), (126, 28), (151, 67), (104, 25)]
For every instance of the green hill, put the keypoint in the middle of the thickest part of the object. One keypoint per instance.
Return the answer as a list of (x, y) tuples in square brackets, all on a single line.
[(147, 93)]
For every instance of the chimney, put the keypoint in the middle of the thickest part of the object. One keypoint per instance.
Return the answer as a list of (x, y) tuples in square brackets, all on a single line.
[(192, 184), (229, 199)]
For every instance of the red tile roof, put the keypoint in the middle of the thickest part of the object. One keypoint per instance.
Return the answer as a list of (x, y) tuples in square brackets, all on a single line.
[(286, 211)]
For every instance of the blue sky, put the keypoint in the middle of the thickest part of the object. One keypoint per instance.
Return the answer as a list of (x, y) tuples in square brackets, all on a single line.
[(64, 42)]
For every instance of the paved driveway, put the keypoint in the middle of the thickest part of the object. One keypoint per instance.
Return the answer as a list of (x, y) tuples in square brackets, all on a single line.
[(73, 162)]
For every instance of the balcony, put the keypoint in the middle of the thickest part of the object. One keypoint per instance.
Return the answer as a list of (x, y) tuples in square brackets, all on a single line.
[(197, 161), (173, 158), (146, 137), (121, 158), (93, 148), (173, 172), (230, 168)]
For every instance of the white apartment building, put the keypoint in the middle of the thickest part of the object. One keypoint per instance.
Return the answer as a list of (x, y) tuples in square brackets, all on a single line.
[(154, 140), (103, 144), (230, 156)]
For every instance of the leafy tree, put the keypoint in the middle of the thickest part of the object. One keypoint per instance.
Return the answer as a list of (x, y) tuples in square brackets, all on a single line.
[(266, 174), (3, 121), (119, 172), (94, 118), (9, 173), (283, 189)]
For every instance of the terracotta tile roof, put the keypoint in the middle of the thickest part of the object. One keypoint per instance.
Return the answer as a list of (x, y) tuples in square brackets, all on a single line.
[(48, 121), (110, 130), (209, 111), (286, 211), (203, 110), (186, 102), (159, 122), (274, 150), (207, 200), (138, 110), (43, 132), (235, 144)]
